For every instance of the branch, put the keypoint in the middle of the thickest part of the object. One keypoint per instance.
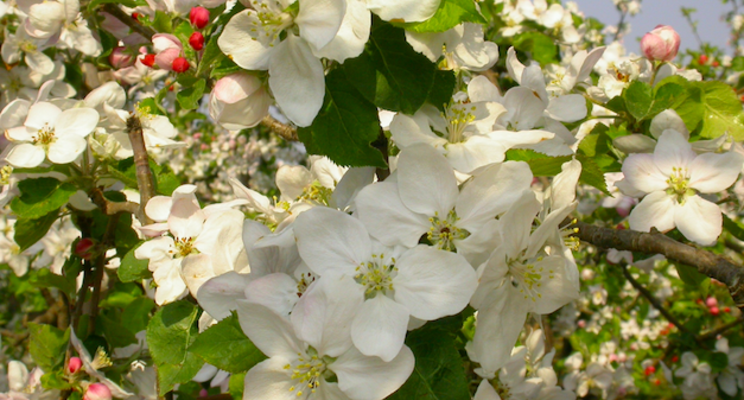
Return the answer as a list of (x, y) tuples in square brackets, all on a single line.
[(287, 132), (723, 328), (112, 207), (142, 164), (707, 263), (127, 19)]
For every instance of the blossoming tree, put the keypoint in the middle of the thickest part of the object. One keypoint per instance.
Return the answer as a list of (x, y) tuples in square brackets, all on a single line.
[(366, 199)]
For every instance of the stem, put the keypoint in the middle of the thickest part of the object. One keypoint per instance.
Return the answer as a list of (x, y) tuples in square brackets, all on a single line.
[(145, 181), (286, 132), (127, 19), (723, 328), (106, 243)]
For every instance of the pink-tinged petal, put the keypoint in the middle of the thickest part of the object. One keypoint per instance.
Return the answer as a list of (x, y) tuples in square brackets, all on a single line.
[(699, 220), (26, 155), (323, 316), (672, 151), (427, 184), (270, 380), (433, 283), (641, 173), (329, 239), (186, 219), (270, 332), (165, 58), (276, 291), (319, 20), (76, 121), (158, 208), (41, 114), (711, 173), (67, 149), (379, 327), (655, 210), (369, 378), (218, 296), (386, 218), (297, 80)]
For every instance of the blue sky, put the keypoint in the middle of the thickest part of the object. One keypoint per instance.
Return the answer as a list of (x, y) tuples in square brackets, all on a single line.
[(667, 12)]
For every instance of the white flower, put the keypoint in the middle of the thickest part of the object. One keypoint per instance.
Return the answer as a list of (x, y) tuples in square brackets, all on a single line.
[(463, 47), (697, 375), (732, 378), (671, 179), (49, 132)]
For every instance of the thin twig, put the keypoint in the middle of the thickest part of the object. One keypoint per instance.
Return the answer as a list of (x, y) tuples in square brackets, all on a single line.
[(723, 328), (112, 207), (145, 181), (106, 242), (707, 263), (127, 19), (287, 132)]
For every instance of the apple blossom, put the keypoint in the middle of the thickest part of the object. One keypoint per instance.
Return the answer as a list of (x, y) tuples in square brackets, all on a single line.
[(661, 44)]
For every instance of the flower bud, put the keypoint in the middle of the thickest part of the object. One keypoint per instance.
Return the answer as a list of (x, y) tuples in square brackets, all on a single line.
[(119, 58), (711, 302), (167, 48), (661, 44), (199, 17), (74, 365), (97, 391), (180, 65), (714, 311), (239, 101), (196, 41), (84, 248), (148, 59)]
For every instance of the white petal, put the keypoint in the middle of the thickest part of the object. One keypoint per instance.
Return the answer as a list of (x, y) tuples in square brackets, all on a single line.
[(41, 114), (655, 210), (218, 296), (66, 149), (328, 239), (711, 173), (323, 316), (427, 182), (379, 327), (319, 20), (641, 173), (26, 155), (369, 378), (291, 180), (241, 44), (269, 380), (76, 121), (672, 151), (492, 192), (297, 81), (699, 220), (39, 62), (635, 143), (433, 283), (486, 392), (158, 208), (271, 333), (276, 291), (404, 10), (196, 269), (568, 108), (387, 219)]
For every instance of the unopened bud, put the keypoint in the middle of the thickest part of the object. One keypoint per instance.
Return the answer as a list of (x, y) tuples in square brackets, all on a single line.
[(661, 44), (84, 248), (119, 58), (97, 391), (74, 365), (148, 59), (196, 41), (199, 17), (180, 65)]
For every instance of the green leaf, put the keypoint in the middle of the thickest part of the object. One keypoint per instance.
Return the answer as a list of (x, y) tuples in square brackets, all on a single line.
[(345, 126), (733, 227), (718, 361), (137, 313), (132, 268), (441, 89), (638, 98), (41, 196), (29, 231), (95, 3), (163, 22), (540, 46), (689, 275), (45, 278), (189, 98), (449, 14), (404, 75), (542, 165), (117, 335), (616, 104), (667, 96), (236, 386), (55, 380), (47, 345), (165, 180), (225, 346), (438, 373), (722, 112), (169, 334), (591, 174)]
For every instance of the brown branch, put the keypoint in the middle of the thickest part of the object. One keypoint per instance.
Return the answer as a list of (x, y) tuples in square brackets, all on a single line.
[(656, 303), (112, 207), (128, 20), (723, 328), (707, 263), (287, 132), (145, 182)]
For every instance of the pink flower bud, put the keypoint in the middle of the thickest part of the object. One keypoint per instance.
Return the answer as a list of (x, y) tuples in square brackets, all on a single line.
[(661, 44), (239, 101), (119, 58), (711, 302), (74, 365), (581, 323), (97, 391), (199, 17), (167, 48)]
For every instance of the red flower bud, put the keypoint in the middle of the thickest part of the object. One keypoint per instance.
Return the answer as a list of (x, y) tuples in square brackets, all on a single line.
[(149, 60), (650, 370), (180, 65), (199, 17), (714, 311), (702, 59), (84, 248), (74, 365), (196, 41)]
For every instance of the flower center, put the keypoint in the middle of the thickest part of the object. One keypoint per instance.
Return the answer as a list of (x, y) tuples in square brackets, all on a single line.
[(184, 247), (308, 371), (444, 232), (678, 184), (270, 23), (44, 136), (458, 117), (376, 275), (316, 193), (144, 113), (27, 46), (527, 277), (5, 173), (304, 282)]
